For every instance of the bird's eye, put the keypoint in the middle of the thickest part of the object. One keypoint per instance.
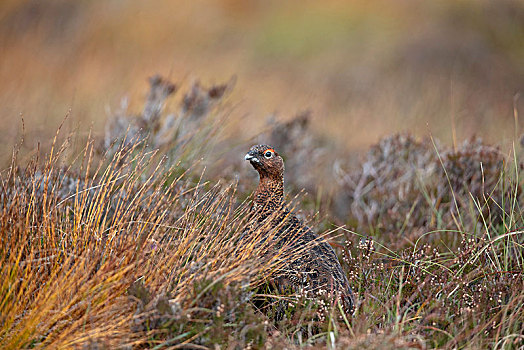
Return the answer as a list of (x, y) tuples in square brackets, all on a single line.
[(268, 154)]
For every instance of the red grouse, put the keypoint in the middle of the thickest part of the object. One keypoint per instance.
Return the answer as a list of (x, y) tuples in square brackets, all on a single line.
[(315, 269)]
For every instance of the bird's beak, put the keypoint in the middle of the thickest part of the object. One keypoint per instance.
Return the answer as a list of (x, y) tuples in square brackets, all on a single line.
[(251, 157)]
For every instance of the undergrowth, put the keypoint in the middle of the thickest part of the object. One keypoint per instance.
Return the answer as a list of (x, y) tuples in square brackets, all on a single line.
[(130, 245)]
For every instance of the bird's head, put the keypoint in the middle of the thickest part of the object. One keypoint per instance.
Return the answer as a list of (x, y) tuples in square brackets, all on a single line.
[(266, 161)]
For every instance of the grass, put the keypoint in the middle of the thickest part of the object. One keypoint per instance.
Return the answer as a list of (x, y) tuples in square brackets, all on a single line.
[(134, 245)]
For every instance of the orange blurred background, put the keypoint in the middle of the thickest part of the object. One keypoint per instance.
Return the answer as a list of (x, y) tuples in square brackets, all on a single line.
[(365, 68)]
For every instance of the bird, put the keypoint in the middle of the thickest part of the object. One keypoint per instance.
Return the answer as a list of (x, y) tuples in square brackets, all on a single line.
[(314, 267)]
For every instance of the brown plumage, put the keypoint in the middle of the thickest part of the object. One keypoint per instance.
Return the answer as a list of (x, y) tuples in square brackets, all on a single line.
[(316, 270)]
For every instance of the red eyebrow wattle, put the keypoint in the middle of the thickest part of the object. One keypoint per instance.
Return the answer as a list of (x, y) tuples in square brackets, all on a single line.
[(269, 149)]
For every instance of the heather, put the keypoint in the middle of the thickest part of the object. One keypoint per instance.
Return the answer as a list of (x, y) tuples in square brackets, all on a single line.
[(142, 238)]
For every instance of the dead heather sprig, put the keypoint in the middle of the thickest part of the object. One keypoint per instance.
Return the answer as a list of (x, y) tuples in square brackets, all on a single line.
[(408, 187), (183, 133)]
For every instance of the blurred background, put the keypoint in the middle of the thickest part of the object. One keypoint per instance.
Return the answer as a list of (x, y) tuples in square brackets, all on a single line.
[(365, 69)]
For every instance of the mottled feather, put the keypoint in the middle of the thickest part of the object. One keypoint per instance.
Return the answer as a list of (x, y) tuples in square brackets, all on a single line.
[(316, 269)]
